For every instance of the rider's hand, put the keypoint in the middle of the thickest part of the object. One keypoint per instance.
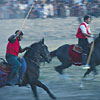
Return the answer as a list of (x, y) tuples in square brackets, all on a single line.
[(92, 36), (15, 35), (18, 33)]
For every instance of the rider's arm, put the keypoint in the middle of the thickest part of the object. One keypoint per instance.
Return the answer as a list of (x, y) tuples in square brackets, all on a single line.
[(83, 29), (22, 50), (12, 38)]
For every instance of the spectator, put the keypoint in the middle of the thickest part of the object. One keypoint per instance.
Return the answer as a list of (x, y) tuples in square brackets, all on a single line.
[(82, 12), (5, 10)]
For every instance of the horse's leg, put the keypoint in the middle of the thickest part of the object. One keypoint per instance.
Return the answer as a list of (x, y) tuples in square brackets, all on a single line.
[(24, 81), (87, 73), (95, 71), (60, 68), (93, 68), (39, 84), (34, 89)]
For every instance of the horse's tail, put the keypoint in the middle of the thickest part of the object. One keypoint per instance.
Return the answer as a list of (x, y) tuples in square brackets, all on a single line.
[(53, 53)]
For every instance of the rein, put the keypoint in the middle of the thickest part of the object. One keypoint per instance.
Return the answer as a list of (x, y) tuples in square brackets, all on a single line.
[(35, 62), (38, 64)]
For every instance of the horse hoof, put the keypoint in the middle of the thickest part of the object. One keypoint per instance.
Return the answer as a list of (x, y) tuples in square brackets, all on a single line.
[(57, 70), (64, 76), (81, 86), (96, 75), (37, 99), (52, 96), (10, 83)]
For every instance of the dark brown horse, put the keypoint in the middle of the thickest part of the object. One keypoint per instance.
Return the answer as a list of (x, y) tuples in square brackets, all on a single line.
[(36, 53), (62, 53)]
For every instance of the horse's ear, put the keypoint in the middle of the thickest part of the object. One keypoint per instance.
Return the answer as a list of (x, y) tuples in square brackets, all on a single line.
[(99, 34), (42, 40)]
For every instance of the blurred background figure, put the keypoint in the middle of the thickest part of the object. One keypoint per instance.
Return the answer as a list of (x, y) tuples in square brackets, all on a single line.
[(82, 11), (48, 9)]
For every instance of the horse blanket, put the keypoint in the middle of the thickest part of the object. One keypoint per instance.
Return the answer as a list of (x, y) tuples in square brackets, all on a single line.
[(76, 57), (5, 71)]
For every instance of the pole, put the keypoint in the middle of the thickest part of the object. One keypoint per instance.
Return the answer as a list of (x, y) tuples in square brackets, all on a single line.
[(90, 53), (26, 18)]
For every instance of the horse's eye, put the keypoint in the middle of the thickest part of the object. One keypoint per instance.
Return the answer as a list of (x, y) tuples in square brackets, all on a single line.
[(42, 45)]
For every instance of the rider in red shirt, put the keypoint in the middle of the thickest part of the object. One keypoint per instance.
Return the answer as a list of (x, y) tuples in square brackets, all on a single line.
[(82, 34), (12, 51)]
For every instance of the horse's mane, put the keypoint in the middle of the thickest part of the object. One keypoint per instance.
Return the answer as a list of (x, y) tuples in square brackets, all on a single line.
[(31, 50), (34, 45)]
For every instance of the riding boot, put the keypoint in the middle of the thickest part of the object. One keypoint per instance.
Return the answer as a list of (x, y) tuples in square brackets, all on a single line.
[(84, 58), (22, 71), (84, 61), (11, 78)]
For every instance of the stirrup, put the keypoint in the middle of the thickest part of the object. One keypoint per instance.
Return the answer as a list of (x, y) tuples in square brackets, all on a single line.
[(86, 66)]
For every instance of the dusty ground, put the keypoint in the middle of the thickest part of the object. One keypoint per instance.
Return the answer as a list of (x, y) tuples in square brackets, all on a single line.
[(56, 32)]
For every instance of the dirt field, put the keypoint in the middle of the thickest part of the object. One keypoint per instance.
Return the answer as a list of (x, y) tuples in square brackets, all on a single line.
[(56, 32)]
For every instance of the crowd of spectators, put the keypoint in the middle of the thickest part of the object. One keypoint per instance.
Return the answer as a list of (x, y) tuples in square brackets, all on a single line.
[(14, 9)]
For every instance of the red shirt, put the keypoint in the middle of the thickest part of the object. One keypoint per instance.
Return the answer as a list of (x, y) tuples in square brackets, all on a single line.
[(79, 33), (13, 48)]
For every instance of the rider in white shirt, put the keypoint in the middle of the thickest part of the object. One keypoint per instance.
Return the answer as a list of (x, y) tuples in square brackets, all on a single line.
[(83, 33)]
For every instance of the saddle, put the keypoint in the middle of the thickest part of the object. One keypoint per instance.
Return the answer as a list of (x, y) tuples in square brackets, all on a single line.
[(5, 70), (75, 53), (77, 49), (4, 66)]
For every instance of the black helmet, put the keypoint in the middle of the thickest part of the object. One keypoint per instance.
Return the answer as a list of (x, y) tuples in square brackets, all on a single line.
[(21, 33)]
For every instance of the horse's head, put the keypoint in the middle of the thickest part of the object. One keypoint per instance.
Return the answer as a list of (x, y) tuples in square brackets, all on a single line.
[(97, 36), (38, 52), (44, 52)]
